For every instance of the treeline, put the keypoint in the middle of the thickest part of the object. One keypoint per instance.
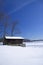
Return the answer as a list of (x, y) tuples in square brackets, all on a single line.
[(28, 40)]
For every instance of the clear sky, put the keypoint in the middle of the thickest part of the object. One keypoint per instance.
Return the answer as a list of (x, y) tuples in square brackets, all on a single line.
[(29, 13)]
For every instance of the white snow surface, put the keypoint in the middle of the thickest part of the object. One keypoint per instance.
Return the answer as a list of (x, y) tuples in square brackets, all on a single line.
[(38, 43), (13, 37), (16, 55)]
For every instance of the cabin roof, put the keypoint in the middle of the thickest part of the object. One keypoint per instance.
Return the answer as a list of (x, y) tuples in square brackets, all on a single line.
[(13, 37)]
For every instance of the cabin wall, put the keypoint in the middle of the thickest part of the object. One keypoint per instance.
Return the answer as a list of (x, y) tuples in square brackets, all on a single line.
[(12, 41)]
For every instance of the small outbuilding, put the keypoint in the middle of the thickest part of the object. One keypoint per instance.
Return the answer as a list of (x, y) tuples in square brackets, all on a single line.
[(11, 40)]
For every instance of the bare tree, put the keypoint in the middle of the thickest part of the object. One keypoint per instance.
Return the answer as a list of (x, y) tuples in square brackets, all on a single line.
[(4, 22), (14, 29), (4, 16), (14, 24), (5, 27)]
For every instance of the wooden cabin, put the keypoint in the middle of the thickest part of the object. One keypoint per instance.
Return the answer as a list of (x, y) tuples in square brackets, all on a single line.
[(11, 40)]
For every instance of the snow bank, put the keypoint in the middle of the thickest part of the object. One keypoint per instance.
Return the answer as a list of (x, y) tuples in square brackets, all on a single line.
[(40, 44), (12, 55), (1, 43)]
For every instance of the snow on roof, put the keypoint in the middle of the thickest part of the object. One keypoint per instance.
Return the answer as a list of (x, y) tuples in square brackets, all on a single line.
[(12, 37)]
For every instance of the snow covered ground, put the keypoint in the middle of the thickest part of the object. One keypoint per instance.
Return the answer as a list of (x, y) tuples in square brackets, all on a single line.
[(12, 55), (1, 43), (39, 44)]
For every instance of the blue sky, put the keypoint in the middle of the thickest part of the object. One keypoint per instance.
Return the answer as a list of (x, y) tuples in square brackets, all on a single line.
[(29, 13)]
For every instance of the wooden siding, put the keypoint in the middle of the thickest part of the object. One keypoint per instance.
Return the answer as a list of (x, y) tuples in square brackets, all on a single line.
[(12, 41)]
